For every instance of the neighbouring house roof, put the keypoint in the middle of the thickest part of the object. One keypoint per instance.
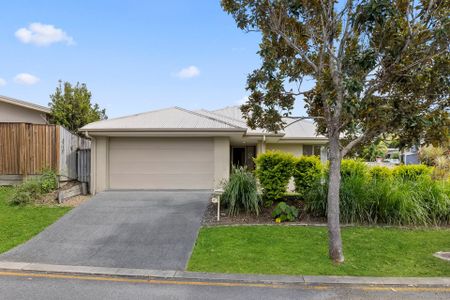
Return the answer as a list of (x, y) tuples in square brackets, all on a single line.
[(25, 104), (179, 119)]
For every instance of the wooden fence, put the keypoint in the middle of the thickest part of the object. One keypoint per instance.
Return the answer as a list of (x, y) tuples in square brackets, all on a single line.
[(27, 149)]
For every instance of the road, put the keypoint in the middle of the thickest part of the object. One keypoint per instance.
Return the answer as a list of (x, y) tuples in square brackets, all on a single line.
[(52, 286)]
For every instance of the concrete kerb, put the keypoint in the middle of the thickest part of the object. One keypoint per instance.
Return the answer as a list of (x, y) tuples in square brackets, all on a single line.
[(218, 277)]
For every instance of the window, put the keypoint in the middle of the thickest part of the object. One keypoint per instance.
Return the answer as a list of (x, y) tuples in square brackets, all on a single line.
[(310, 150)]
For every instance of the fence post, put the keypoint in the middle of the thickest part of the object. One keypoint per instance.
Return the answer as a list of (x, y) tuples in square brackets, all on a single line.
[(23, 149), (57, 149)]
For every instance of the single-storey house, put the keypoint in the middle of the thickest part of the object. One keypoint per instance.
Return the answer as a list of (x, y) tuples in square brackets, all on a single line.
[(176, 148), (19, 111)]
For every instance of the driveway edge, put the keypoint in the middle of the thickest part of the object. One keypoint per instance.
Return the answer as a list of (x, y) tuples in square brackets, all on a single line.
[(219, 277)]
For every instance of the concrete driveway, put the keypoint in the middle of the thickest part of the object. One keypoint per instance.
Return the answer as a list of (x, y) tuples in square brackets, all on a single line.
[(121, 229)]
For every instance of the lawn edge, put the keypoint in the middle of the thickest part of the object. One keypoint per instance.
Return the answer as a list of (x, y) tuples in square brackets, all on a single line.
[(36, 268)]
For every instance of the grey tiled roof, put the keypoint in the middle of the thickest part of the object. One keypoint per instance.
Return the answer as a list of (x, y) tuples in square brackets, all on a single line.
[(174, 118), (179, 119)]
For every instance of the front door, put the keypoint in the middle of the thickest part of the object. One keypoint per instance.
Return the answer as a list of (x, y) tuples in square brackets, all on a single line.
[(243, 156)]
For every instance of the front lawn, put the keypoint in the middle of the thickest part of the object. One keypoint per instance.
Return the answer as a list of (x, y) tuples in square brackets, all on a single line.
[(20, 223), (295, 250)]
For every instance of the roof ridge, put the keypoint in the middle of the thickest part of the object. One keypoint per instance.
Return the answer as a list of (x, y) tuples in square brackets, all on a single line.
[(223, 116), (207, 117), (138, 114), (296, 120), (226, 107)]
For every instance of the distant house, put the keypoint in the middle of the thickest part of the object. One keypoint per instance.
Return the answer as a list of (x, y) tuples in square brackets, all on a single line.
[(176, 148), (29, 144), (19, 111), (410, 156)]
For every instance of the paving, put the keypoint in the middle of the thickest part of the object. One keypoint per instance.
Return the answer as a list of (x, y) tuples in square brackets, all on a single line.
[(121, 229)]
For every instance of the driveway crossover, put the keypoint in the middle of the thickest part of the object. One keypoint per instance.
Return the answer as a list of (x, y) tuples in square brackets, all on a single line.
[(121, 229)]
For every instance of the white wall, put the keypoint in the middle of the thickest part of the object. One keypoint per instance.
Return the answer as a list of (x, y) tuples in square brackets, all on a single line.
[(221, 160), (15, 113), (296, 149)]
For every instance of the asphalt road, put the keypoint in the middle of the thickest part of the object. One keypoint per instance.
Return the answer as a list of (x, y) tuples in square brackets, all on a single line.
[(47, 286), (121, 229)]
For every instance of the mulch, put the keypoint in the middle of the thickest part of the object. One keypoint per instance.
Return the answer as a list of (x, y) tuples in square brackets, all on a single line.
[(264, 217)]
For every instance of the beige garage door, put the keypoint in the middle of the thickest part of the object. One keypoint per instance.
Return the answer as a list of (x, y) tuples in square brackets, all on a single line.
[(161, 163)]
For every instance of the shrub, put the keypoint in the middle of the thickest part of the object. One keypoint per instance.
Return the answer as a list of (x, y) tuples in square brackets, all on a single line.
[(441, 171), (307, 170), (34, 188), (380, 172), (284, 212), (437, 157), (241, 193), (26, 192), (429, 154), (274, 170), (353, 167), (387, 200), (411, 172), (49, 181)]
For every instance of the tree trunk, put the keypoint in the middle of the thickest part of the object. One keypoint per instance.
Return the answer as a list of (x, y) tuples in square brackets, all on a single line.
[(334, 229)]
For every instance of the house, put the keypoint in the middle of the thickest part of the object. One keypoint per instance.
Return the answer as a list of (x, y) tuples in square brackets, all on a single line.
[(29, 144), (176, 148), (19, 111)]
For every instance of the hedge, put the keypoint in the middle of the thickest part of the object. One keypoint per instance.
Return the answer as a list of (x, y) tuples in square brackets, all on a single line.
[(307, 170), (274, 169)]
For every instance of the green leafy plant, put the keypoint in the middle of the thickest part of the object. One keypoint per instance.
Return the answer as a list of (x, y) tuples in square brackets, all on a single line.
[(373, 151), (353, 167), (49, 180), (33, 188), (72, 108), (307, 170), (386, 200), (380, 172), (274, 169), (284, 212), (411, 172), (241, 193)]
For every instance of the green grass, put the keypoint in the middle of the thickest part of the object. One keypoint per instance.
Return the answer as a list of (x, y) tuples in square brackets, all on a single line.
[(20, 223), (294, 250)]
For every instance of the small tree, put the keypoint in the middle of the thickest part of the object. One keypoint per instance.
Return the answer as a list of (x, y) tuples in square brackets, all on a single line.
[(378, 66), (71, 106)]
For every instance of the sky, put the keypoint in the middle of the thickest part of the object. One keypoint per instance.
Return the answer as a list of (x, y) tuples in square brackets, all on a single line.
[(134, 56)]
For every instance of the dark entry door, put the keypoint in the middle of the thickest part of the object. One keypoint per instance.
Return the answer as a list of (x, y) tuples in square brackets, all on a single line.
[(243, 156)]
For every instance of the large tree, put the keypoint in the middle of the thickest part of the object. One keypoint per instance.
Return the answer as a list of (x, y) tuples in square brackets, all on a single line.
[(71, 106), (377, 65)]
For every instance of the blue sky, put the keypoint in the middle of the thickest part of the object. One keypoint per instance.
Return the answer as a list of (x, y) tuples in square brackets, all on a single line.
[(134, 56)]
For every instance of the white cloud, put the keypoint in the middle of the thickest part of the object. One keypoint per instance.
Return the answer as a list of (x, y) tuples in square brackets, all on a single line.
[(189, 72), (43, 35), (2, 82), (25, 78)]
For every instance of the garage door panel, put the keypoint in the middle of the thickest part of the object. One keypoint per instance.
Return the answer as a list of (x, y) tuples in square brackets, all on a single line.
[(161, 163), (162, 143), (159, 167), (162, 181), (150, 155)]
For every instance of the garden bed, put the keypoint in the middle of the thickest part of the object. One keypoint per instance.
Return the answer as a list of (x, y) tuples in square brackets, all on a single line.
[(51, 198), (264, 217)]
